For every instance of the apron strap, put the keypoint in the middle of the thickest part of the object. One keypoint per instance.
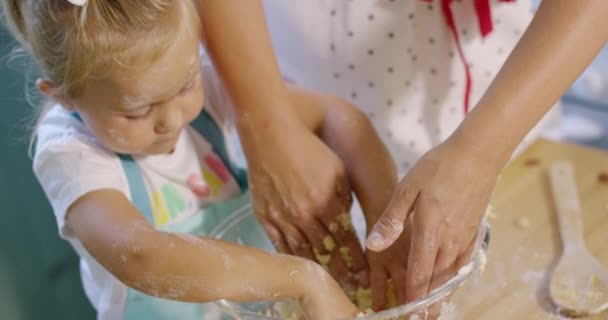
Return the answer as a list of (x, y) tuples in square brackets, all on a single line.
[(484, 17), (209, 129), (137, 187)]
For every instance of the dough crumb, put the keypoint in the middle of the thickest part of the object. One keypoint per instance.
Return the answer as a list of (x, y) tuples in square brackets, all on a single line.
[(490, 213), (323, 259), (363, 298), (523, 223), (329, 243), (602, 178), (333, 227), (345, 254), (364, 313), (532, 162), (344, 220), (483, 260)]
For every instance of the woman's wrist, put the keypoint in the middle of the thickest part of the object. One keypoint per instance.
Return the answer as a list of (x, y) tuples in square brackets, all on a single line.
[(265, 121), (495, 127), (482, 147), (263, 129)]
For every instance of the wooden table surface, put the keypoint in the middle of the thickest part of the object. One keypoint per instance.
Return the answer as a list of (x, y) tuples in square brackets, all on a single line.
[(520, 259)]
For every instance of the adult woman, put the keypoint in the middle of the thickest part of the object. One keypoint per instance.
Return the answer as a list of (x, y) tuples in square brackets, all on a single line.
[(448, 188)]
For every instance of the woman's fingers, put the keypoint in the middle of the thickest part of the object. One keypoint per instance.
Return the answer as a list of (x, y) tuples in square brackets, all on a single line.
[(423, 252), (390, 225), (276, 237), (296, 241), (444, 266), (378, 279)]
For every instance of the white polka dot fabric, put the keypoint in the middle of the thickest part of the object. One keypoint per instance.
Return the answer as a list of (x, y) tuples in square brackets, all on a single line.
[(395, 59)]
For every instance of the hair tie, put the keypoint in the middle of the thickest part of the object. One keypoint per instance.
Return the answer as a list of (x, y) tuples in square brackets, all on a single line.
[(78, 2)]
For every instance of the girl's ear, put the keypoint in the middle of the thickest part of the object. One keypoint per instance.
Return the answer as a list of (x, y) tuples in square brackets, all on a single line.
[(47, 88)]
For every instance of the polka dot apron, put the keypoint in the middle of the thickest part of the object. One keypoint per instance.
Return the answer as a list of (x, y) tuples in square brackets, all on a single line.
[(399, 60)]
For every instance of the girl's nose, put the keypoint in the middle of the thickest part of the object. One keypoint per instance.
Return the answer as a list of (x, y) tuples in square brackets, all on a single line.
[(169, 121)]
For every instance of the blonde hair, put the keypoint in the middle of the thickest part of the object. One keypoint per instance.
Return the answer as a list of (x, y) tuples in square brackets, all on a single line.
[(73, 43)]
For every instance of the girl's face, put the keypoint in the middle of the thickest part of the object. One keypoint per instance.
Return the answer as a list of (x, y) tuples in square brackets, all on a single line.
[(145, 112)]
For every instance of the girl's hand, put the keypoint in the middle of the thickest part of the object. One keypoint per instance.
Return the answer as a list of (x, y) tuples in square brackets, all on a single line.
[(302, 198), (446, 194), (323, 298)]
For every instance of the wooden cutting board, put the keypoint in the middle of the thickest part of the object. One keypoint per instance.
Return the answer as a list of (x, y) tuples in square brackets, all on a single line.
[(525, 240)]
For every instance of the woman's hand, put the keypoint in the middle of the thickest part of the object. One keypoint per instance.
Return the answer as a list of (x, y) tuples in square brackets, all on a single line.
[(390, 265), (446, 194), (302, 197)]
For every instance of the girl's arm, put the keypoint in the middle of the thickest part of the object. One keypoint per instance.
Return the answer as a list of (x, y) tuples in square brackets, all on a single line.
[(196, 269), (349, 133), (286, 162), (371, 172)]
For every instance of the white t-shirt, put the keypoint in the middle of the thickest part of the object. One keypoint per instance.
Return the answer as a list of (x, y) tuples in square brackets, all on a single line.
[(396, 60), (69, 163)]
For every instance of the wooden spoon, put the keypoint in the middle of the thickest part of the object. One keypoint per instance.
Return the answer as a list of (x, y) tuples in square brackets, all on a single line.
[(579, 283)]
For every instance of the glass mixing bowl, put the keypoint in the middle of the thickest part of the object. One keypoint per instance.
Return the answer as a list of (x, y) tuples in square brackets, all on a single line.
[(241, 226)]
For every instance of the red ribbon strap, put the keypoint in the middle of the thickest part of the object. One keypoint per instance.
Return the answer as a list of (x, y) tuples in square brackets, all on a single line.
[(484, 17)]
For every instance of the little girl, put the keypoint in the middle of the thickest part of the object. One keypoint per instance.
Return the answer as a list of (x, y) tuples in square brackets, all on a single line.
[(130, 180)]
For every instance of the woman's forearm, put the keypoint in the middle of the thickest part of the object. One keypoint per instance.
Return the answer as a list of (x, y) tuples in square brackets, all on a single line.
[(237, 39), (559, 44)]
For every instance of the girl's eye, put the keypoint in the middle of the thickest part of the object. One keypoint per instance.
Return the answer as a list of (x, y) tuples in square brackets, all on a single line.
[(141, 114)]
